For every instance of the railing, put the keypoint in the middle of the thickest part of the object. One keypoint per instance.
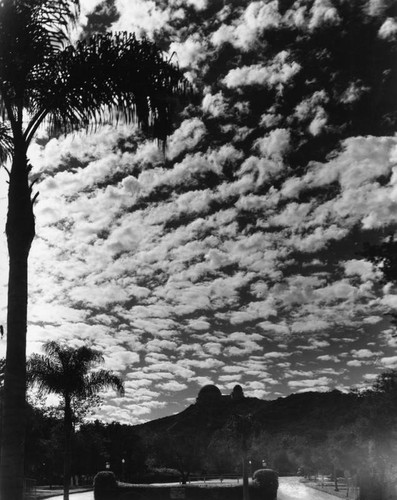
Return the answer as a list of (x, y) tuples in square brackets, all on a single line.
[(345, 485), (215, 478)]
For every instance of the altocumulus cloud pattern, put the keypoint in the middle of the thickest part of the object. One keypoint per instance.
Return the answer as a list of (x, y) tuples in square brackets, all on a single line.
[(236, 257)]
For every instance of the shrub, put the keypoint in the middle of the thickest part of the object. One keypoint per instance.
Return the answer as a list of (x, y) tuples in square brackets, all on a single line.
[(266, 480), (105, 486)]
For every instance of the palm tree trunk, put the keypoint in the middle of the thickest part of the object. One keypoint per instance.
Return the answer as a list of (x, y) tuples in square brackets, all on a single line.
[(20, 230), (67, 464)]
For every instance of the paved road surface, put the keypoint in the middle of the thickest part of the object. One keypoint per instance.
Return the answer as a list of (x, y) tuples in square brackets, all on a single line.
[(290, 489)]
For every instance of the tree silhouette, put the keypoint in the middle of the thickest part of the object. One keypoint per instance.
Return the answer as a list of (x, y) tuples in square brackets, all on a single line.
[(240, 428), (66, 371), (183, 452), (46, 80)]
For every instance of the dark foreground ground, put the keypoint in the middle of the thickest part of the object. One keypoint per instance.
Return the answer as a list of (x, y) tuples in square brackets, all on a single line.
[(290, 488)]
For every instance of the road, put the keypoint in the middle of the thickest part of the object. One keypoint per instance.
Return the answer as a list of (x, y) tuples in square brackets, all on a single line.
[(290, 489)]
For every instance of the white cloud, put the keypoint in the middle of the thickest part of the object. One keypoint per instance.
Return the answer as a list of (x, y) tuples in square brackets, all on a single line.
[(389, 361), (323, 12), (328, 357), (355, 363), (310, 383), (214, 104), (377, 7), (140, 16), (362, 268), (119, 359), (275, 144), (198, 4), (275, 355), (217, 275), (191, 52), (390, 338), (310, 325), (244, 33), (363, 353), (337, 291), (319, 238), (390, 300), (277, 74), (319, 122), (388, 30), (172, 386)]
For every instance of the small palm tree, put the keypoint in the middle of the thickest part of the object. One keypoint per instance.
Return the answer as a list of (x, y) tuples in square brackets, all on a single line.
[(67, 372), (44, 79)]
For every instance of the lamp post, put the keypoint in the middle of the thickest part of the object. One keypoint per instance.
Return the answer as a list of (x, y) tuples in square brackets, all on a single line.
[(336, 478), (123, 469)]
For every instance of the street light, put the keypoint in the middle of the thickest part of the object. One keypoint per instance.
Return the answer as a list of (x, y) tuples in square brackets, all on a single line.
[(123, 469)]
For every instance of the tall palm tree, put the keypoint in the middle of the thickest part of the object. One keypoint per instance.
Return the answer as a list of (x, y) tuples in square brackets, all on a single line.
[(45, 80), (66, 371)]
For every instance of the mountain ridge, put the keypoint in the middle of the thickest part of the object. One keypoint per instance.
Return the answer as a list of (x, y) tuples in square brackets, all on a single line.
[(291, 414)]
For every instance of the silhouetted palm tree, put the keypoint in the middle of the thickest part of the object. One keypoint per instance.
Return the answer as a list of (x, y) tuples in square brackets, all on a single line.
[(66, 371), (45, 80)]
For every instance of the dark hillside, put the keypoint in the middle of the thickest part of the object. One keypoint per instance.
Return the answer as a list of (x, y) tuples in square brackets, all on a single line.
[(297, 414), (302, 413), (301, 430), (311, 431), (212, 417)]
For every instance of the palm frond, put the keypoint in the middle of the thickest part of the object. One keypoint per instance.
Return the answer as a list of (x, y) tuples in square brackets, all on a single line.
[(45, 373), (53, 349), (52, 17), (31, 31), (53, 14), (2, 370), (74, 362), (107, 78), (6, 143), (65, 370), (102, 379), (85, 357)]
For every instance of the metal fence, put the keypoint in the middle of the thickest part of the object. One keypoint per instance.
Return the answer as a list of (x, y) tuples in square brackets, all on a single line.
[(215, 478), (346, 486)]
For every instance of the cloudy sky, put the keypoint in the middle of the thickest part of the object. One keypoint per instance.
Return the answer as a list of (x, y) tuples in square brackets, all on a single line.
[(236, 256)]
